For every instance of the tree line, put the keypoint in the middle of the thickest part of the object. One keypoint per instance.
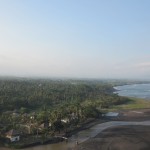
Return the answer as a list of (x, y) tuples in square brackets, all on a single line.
[(32, 94), (41, 101)]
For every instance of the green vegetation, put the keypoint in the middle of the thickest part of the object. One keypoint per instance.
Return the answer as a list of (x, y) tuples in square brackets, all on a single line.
[(133, 103), (32, 94), (44, 108)]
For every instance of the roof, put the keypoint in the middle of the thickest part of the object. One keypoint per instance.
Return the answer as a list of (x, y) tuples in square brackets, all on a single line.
[(44, 125), (12, 133), (111, 114)]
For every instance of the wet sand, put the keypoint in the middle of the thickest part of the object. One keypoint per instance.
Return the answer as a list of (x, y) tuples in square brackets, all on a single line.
[(129, 137), (134, 115)]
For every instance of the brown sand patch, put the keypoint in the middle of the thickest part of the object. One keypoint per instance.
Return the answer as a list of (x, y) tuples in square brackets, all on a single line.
[(134, 115), (120, 138)]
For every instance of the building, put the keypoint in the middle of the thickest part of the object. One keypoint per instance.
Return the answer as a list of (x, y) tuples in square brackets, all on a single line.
[(44, 125), (13, 135), (65, 120)]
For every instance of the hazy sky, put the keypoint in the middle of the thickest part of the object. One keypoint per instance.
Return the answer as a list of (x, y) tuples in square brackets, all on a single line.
[(75, 38)]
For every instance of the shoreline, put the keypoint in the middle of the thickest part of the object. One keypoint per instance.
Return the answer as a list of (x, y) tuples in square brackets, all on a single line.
[(118, 90)]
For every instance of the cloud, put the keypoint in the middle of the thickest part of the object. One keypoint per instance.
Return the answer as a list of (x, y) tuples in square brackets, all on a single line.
[(4, 57), (143, 65)]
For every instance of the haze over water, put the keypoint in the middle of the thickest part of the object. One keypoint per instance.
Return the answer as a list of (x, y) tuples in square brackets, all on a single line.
[(134, 90)]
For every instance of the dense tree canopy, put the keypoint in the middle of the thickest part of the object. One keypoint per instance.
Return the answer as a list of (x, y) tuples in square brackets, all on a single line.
[(32, 94), (29, 103)]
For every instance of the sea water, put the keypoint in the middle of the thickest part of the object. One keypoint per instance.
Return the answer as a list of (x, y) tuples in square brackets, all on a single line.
[(134, 90)]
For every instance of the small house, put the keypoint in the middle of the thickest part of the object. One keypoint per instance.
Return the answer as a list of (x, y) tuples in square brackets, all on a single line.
[(13, 135), (65, 120), (44, 125)]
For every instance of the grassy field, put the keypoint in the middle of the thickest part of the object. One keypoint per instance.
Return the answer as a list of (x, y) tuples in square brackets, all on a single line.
[(134, 103)]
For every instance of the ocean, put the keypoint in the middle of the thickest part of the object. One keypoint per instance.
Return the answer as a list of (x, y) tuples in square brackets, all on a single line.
[(134, 90)]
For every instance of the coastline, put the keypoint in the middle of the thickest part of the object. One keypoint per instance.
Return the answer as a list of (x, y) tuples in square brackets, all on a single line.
[(133, 90)]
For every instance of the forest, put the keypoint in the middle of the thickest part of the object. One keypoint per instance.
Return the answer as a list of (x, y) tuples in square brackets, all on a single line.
[(64, 105), (31, 95)]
